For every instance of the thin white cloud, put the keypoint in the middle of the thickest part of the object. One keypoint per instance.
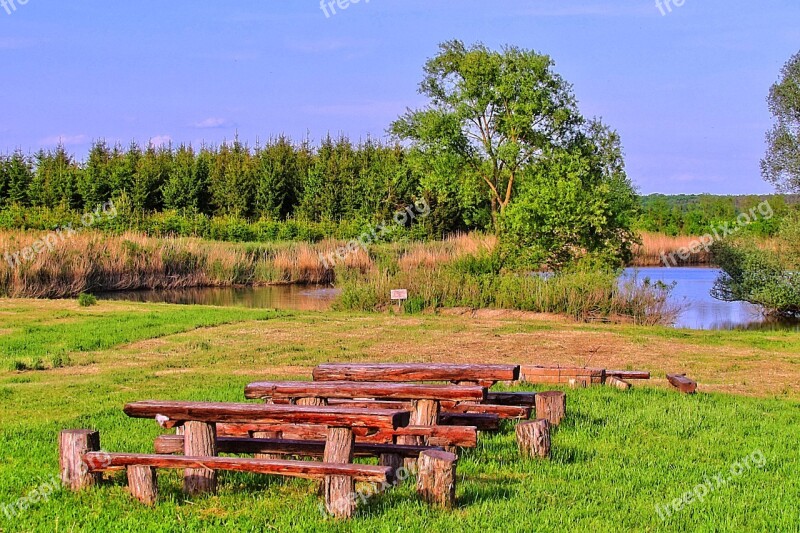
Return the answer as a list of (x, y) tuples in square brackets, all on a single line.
[(66, 140), (211, 123), (160, 140)]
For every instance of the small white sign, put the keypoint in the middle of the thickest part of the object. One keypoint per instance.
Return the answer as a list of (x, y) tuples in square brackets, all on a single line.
[(400, 294)]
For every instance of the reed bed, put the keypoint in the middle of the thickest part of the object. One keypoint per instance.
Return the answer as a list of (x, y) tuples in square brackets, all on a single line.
[(658, 249)]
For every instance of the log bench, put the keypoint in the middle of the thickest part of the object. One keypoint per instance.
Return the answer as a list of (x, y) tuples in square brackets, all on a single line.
[(578, 376), (199, 420)]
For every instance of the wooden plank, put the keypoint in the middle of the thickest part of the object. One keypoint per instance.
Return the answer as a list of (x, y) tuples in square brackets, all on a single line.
[(628, 374), (482, 421), (173, 444), (99, 462), (527, 399), (550, 375), (268, 414), (350, 389), (462, 436), (409, 372), (502, 411), (682, 383)]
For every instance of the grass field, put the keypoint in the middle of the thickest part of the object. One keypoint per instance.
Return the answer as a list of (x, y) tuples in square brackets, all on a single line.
[(617, 457)]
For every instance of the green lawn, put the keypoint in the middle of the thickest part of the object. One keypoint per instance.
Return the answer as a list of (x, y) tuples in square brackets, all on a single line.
[(617, 456)]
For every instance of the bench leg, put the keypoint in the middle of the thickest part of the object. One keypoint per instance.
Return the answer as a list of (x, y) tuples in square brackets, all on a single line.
[(424, 413), (200, 440), (72, 445), (339, 490), (143, 484), (436, 478)]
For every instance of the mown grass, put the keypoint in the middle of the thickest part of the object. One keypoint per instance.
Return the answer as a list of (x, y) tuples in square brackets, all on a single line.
[(618, 455)]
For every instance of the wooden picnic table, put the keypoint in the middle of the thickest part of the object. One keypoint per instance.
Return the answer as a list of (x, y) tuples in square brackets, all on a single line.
[(479, 374), (199, 421)]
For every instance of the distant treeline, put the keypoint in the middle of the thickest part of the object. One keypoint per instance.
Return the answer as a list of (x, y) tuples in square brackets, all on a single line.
[(698, 214), (337, 181), (283, 190)]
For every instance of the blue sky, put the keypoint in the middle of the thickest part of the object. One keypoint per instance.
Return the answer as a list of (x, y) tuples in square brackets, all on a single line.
[(686, 89)]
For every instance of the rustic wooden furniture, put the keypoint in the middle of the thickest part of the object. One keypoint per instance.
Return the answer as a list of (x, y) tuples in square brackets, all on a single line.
[(199, 421), (478, 374), (682, 383)]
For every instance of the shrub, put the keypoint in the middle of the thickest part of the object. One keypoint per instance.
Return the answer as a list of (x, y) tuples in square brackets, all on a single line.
[(86, 300)]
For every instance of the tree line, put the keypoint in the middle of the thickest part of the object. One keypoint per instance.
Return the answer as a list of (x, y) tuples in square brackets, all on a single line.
[(336, 180)]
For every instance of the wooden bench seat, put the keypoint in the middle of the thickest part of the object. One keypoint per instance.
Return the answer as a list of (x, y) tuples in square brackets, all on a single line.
[(451, 413), (142, 477), (173, 444)]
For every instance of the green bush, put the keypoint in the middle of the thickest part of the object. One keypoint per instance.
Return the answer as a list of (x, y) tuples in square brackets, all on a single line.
[(86, 300)]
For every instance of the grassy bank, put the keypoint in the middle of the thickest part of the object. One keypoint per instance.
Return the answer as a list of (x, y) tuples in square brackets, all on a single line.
[(627, 452)]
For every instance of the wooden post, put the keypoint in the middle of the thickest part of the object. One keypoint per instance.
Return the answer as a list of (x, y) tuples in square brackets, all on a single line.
[(200, 440), (552, 406), (266, 435), (72, 445), (577, 383), (339, 491), (424, 413), (613, 381), (143, 484), (436, 478), (533, 438)]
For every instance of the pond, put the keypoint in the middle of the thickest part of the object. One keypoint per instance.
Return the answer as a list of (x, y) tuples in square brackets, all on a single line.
[(692, 292)]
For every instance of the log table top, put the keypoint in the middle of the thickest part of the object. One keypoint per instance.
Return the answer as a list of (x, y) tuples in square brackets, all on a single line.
[(176, 413), (485, 375), (349, 389)]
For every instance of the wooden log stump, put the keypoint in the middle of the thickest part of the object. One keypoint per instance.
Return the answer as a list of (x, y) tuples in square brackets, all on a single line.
[(613, 381), (72, 445), (552, 406), (312, 402), (339, 490), (200, 440), (533, 438), (436, 478), (267, 435), (143, 484), (578, 383)]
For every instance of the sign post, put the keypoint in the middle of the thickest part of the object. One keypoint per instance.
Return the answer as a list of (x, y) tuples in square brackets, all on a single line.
[(400, 295)]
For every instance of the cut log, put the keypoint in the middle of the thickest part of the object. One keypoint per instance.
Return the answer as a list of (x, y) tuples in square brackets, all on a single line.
[(552, 406), (200, 440), (436, 478), (508, 412), (275, 435), (103, 462), (179, 412), (72, 445), (425, 413), (410, 372), (613, 381), (143, 484), (482, 421), (545, 375), (513, 412), (533, 438), (339, 491), (628, 374), (576, 383), (525, 399), (682, 383), (348, 389), (312, 402), (173, 444), (463, 436)]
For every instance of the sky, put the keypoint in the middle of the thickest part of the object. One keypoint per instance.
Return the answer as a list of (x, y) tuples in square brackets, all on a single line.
[(684, 84)]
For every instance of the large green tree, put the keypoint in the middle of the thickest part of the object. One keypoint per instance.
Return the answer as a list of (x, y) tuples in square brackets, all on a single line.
[(781, 166), (493, 112)]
